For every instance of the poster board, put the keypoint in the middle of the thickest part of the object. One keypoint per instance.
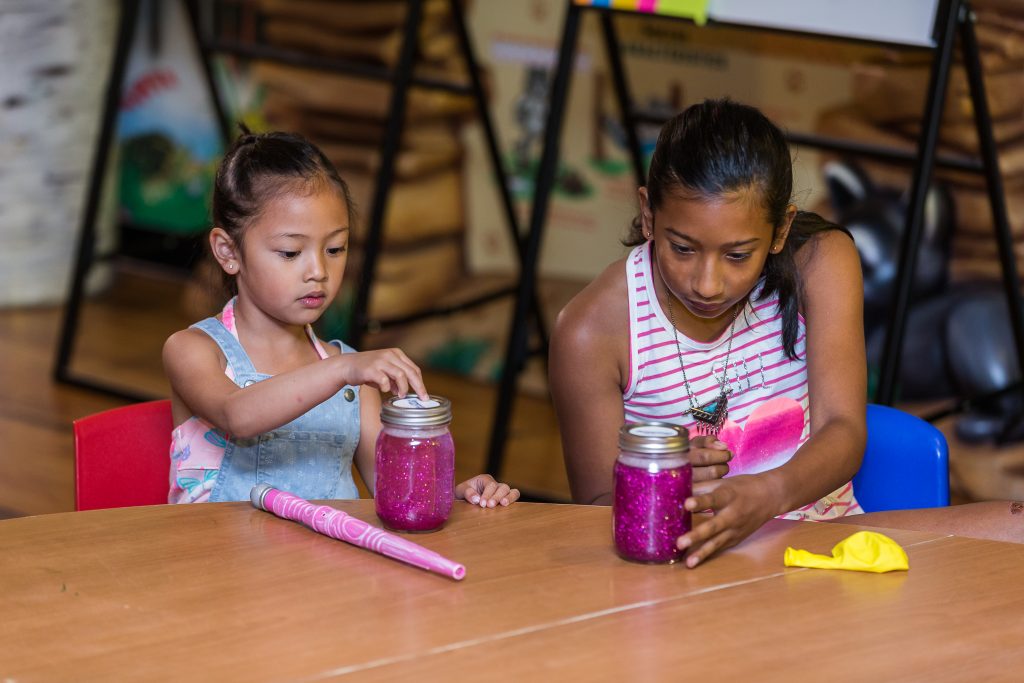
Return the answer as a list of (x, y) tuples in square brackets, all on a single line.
[(903, 22)]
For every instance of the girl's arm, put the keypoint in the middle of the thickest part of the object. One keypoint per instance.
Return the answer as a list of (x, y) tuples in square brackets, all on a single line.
[(588, 350), (195, 367), (837, 385)]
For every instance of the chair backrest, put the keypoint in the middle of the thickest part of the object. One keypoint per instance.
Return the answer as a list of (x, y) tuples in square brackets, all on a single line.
[(122, 456), (906, 463)]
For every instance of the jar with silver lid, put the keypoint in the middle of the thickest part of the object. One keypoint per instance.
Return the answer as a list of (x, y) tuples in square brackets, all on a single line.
[(652, 480), (415, 463)]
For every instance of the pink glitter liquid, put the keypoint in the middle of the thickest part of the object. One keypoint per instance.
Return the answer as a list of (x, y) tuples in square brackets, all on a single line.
[(648, 514), (415, 478)]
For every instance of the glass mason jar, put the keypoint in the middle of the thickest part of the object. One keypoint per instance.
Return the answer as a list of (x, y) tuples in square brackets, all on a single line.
[(415, 460), (653, 478)]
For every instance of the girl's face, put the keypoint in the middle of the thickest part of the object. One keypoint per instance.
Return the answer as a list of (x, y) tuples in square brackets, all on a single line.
[(293, 255), (710, 252)]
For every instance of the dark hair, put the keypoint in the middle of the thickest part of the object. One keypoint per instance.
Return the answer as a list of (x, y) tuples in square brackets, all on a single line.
[(260, 167), (717, 147)]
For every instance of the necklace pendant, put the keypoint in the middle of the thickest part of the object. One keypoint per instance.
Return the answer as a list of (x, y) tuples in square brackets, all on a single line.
[(711, 416)]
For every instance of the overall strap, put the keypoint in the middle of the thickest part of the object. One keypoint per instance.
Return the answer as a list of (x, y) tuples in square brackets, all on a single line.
[(237, 358)]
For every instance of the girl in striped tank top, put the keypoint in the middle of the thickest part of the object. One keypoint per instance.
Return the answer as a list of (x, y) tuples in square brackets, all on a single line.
[(740, 318), (735, 308)]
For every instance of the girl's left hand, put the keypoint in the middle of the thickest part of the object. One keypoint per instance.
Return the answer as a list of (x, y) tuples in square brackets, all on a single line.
[(739, 506), (484, 491)]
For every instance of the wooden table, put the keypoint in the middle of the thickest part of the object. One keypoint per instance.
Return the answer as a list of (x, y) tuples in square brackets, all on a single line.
[(226, 592)]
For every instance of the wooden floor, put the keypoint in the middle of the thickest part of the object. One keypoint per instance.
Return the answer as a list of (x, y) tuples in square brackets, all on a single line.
[(120, 338)]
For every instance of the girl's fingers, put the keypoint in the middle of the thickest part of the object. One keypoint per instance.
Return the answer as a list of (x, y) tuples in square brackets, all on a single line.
[(411, 374), (499, 493), (513, 496), (703, 457), (488, 492), (705, 488), (710, 473), (698, 502), (401, 383), (706, 549)]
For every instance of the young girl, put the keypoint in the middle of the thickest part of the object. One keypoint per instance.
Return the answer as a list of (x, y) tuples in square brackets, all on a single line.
[(255, 394), (740, 318)]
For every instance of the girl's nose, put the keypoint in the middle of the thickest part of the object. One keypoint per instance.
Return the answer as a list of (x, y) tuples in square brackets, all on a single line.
[(317, 269), (708, 283)]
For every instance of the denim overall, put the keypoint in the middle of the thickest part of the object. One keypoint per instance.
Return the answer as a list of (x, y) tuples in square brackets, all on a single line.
[(311, 456)]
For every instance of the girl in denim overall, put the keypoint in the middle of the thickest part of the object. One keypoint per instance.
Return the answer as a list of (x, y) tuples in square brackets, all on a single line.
[(256, 397)]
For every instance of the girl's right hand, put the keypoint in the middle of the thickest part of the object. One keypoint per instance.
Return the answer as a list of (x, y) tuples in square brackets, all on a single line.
[(709, 457), (387, 369)]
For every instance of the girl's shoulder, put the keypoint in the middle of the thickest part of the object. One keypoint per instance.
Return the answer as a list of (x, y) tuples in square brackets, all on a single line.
[(192, 346), (824, 251), (598, 317)]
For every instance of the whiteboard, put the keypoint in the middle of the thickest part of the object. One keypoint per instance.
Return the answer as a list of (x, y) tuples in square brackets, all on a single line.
[(905, 22)]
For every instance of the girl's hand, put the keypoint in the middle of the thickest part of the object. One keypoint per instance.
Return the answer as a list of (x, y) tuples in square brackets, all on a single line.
[(387, 369), (484, 491), (709, 458), (740, 506)]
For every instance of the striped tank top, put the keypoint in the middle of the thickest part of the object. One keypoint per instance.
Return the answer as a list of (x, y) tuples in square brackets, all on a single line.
[(769, 410)]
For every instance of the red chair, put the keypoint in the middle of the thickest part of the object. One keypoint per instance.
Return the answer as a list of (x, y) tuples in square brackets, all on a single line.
[(122, 456)]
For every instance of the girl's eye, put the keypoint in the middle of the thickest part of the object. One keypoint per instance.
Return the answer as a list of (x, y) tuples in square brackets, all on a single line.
[(681, 249), (288, 254), (738, 256), (336, 251)]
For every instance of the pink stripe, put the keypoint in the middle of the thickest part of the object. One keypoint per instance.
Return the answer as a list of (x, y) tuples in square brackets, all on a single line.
[(643, 303), (770, 302), (759, 323), (657, 346), (698, 378), (673, 416), (651, 331), (666, 389), (645, 318), (712, 359)]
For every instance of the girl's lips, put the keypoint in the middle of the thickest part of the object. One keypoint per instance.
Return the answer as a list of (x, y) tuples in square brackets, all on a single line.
[(313, 300), (703, 308)]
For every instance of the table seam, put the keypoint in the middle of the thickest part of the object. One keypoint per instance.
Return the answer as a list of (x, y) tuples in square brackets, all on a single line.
[(575, 619)]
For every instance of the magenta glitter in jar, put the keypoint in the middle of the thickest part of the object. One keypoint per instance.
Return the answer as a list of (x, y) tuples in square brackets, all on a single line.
[(415, 460), (653, 478)]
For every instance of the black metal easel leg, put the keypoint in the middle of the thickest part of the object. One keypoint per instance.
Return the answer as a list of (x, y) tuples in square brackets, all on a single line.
[(994, 182), (386, 173), (625, 98), (87, 227), (206, 64), (516, 352), (912, 233), (493, 150)]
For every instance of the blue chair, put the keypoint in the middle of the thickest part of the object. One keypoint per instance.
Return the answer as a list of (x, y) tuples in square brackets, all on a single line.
[(906, 463)]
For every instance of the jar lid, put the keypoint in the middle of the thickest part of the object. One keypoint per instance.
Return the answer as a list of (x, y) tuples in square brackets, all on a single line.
[(653, 437), (410, 411)]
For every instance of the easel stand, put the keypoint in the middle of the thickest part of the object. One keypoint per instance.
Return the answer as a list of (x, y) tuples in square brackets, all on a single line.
[(953, 17), (402, 78)]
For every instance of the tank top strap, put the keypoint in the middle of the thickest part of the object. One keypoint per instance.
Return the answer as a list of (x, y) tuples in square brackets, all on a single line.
[(321, 351)]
